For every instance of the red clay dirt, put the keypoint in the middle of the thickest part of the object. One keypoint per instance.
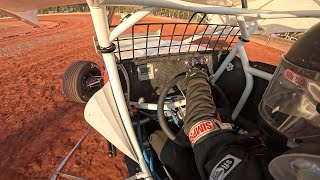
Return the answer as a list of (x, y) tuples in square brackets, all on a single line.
[(38, 125)]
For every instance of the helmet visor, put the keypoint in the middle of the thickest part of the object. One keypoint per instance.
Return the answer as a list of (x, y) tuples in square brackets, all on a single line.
[(290, 102)]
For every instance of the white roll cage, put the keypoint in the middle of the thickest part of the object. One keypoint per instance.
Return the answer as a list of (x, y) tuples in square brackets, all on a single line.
[(105, 39)]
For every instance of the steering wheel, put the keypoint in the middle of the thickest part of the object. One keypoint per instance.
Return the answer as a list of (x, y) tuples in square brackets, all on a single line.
[(179, 138)]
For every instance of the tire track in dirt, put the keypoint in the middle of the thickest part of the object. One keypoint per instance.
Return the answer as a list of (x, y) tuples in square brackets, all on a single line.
[(39, 127)]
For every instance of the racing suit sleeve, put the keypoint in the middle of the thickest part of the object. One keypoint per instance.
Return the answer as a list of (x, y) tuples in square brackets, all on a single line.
[(219, 153)]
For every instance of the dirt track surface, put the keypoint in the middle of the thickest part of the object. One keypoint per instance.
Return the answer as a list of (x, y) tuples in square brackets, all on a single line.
[(38, 125)]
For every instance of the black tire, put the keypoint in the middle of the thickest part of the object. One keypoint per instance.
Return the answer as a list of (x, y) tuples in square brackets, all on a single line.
[(76, 78)]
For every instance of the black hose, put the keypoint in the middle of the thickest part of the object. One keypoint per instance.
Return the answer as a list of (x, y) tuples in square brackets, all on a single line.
[(244, 4)]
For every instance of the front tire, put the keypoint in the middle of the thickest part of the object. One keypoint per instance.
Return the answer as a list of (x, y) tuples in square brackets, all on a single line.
[(81, 80)]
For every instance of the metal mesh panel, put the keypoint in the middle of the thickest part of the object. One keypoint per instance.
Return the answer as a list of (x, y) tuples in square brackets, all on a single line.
[(166, 38)]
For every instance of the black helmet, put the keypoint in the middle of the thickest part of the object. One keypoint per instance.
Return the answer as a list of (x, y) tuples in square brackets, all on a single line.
[(291, 102)]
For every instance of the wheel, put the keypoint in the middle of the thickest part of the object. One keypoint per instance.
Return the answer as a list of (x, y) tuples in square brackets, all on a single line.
[(180, 140), (81, 80), (160, 111)]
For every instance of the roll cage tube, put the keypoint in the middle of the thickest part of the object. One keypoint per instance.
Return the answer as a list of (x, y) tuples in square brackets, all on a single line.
[(98, 13)]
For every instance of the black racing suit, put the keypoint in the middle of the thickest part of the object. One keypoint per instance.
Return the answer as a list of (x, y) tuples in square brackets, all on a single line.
[(221, 153)]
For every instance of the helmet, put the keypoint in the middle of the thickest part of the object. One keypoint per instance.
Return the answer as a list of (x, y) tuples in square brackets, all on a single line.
[(291, 102)]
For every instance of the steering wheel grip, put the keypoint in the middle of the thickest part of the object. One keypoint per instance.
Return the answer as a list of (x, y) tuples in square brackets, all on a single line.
[(180, 138), (160, 112)]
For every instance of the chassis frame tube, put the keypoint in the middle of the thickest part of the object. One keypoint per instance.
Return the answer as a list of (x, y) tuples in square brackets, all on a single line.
[(154, 107), (232, 54), (249, 83), (65, 160), (117, 31), (248, 70), (101, 27)]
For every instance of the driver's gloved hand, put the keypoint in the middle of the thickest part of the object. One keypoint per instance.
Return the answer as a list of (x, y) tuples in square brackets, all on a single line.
[(198, 68), (177, 159)]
